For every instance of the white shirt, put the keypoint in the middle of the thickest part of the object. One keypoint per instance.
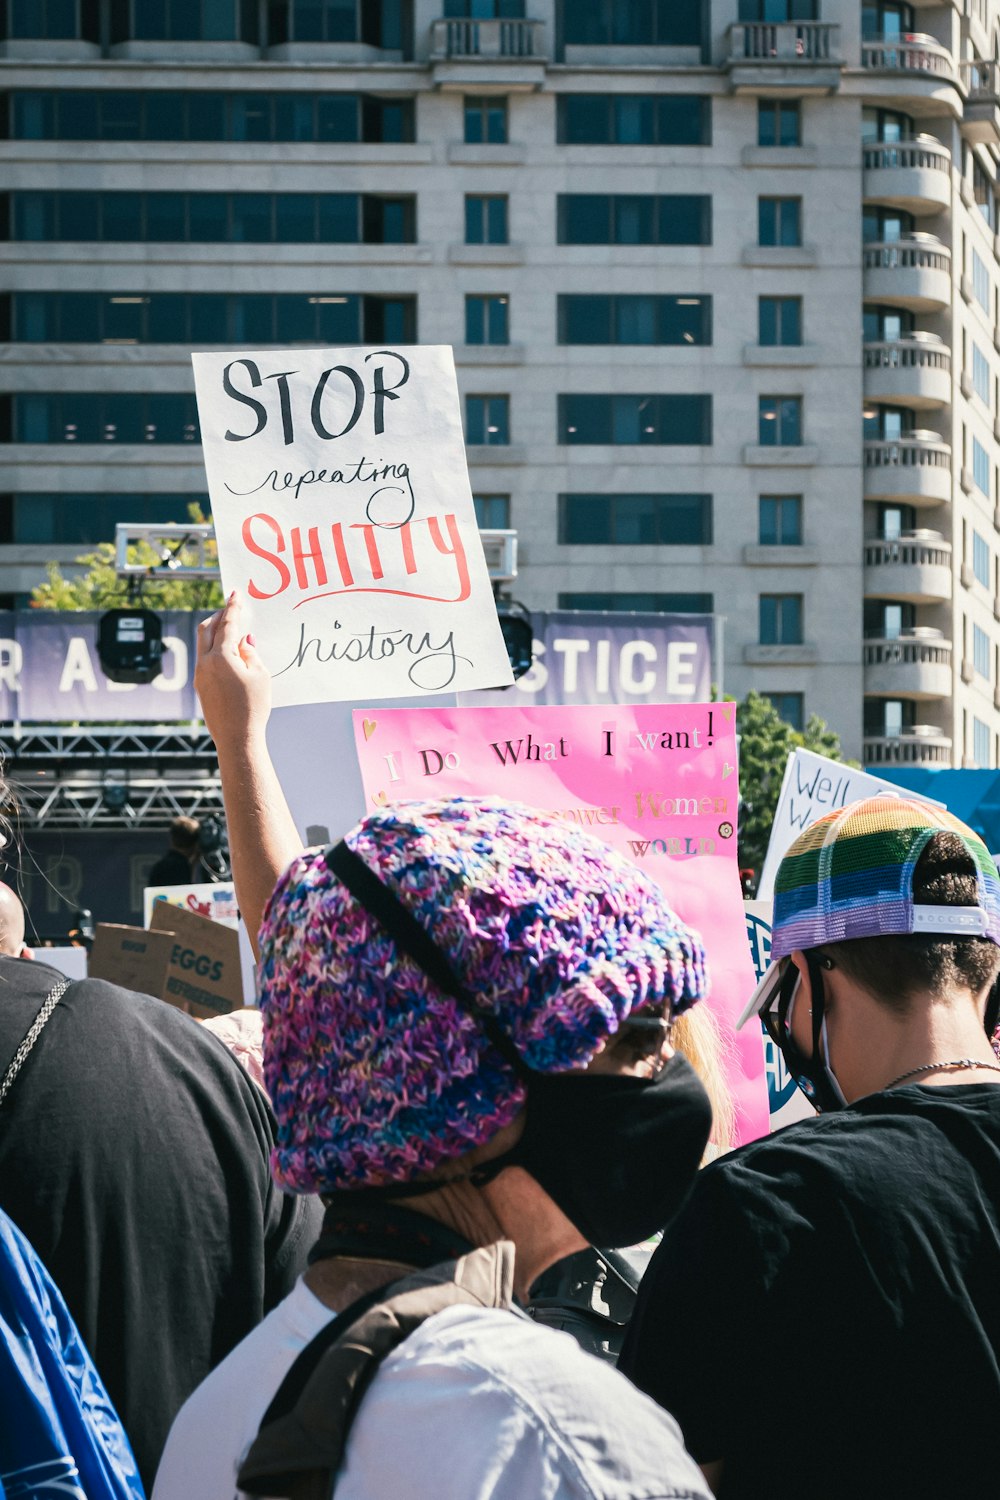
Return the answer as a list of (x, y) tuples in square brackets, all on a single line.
[(475, 1404)]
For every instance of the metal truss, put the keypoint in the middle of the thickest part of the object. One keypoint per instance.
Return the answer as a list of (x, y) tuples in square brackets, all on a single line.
[(45, 744), (150, 803), (103, 776)]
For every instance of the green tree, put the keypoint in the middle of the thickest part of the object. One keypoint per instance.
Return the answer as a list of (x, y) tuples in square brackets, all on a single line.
[(101, 588), (766, 742)]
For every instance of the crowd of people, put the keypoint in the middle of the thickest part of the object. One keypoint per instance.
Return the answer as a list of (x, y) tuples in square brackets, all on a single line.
[(487, 1059)]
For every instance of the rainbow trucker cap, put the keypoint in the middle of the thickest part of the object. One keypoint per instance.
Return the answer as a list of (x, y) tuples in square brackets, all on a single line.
[(850, 875)]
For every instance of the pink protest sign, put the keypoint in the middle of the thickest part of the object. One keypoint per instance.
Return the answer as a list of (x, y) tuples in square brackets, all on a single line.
[(657, 782)]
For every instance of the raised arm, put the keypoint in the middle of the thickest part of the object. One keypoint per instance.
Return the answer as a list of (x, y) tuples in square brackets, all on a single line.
[(235, 692)]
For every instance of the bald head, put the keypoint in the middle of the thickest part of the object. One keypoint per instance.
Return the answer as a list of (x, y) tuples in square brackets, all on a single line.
[(11, 922)]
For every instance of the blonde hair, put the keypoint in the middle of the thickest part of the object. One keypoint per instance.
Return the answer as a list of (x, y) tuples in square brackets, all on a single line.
[(697, 1036)]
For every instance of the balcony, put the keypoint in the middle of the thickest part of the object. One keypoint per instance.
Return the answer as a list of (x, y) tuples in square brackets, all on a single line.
[(913, 273), (914, 70), (923, 744), (488, 56), (914, 665), (915, 470), (778, 57), (912, 175), (981, 115), (915, 371), (914, 567)]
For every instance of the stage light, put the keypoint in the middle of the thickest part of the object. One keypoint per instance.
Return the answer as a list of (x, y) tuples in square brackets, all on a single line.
[(518, 636), (130, 645)]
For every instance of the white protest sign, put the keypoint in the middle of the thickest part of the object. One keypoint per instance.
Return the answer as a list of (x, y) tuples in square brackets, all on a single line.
[(812, 786), (786, 1102), (343, 513)]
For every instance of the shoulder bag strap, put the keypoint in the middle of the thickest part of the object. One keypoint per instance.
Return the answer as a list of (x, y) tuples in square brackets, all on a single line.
[(31, 1036)]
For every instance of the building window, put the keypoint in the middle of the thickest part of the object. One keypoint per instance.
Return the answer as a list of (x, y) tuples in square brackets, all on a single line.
[(981, 559), (980, 742), (634, 119), (779, 320), (779, 221), (779, 421), (53, 20), (671, 604), (627, 419), (634, 219), (887, 622), (981, 375), (209, 218), (609, 23), (788, 706), (635, 520), (779, 122), (895, 521), (981, 652), (982, 191), (208, 318), (166, 115), (485, 219), (980, 282), (888, 718), (78, 519), (378, 23), (778, 10), (97, 417), (780, 521), (484, 10), (186, 21), (487, 420), (781, 619), (492, 512), (485, 120), (634, 319), (980, 467), (486, 320)]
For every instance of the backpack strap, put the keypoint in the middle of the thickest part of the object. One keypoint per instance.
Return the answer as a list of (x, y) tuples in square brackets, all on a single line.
[(300, 1446)]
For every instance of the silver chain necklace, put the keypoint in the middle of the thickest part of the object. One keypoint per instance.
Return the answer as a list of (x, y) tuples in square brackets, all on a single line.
[(959, 1062)]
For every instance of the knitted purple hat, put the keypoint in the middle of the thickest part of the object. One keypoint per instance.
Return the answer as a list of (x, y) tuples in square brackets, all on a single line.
[(376, 1075)]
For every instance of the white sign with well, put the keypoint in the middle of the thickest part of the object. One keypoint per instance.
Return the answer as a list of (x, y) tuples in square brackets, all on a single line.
[(344, 515), (812, 786)]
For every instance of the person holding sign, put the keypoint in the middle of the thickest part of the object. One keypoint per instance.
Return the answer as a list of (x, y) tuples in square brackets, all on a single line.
[(839, 1331), (467, 1012)]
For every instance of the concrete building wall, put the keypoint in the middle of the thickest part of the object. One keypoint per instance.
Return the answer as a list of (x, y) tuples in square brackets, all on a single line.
[(834, 374)]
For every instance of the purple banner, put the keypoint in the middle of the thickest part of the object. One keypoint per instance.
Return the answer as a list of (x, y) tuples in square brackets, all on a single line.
[(49, 671), (583, 657)]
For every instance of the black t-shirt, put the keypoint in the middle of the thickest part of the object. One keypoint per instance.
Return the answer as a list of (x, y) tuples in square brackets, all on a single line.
[(173, 868), (824, 1314), (134, 1156)]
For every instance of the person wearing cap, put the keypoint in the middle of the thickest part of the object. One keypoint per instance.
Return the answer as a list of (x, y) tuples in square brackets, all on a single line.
[(467, 1011), (838, 1332)]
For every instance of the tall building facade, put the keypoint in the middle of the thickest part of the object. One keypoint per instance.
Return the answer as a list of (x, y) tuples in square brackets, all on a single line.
[(722, 281)]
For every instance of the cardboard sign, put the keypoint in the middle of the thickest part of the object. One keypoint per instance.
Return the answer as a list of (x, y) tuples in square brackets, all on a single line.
[(812, 786), (657, 782), (343, 513), (132, 957), (204, 975), (214, 900), (193, 964), (785, 1100)]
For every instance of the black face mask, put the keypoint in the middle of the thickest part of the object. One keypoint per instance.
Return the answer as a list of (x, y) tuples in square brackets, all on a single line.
[(617, 1154)]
